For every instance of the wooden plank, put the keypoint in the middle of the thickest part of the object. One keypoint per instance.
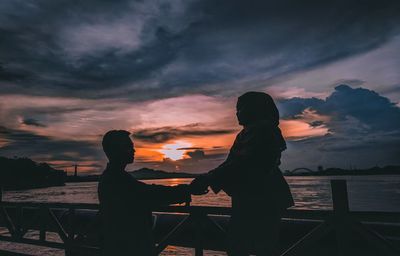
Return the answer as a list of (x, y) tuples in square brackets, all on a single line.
[(51, 205), (8, 253), (23, 240), (56, 245)]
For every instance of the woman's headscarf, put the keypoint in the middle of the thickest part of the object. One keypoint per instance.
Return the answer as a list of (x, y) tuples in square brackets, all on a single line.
[(260, 106)]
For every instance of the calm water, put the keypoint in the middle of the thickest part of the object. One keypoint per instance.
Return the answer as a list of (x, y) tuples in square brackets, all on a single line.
[(366, 193)]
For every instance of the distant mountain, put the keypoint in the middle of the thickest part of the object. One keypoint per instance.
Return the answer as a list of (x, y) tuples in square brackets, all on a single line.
[(147, 173), (140, 174), (24, 173)]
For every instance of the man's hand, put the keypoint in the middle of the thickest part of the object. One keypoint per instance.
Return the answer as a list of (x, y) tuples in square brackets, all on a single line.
[(199, 186)]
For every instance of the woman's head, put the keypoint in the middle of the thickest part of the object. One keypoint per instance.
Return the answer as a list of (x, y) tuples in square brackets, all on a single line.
[(256, 106)]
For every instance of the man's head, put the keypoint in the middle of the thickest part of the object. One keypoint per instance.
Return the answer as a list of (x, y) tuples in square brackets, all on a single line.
[(118, 147), (255, 106)]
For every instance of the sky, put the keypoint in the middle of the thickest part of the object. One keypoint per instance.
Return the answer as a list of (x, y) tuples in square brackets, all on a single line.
[(170, 73)]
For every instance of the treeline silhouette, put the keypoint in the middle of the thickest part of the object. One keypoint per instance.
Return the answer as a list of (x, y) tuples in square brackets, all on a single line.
[(147, 173), (386, 170), (24, 173)]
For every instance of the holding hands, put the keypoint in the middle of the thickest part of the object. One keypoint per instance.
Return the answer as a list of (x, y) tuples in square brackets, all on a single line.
[(199, 186)]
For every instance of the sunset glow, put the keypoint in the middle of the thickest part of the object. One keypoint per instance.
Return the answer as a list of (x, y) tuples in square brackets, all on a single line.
[(176, 150), (170, 73), (298, 130)]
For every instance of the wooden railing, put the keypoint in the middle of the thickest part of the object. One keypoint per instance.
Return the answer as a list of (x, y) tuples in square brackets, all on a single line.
[(192, 226)]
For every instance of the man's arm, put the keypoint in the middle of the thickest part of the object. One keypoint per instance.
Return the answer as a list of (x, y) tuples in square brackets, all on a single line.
[(158, 195)]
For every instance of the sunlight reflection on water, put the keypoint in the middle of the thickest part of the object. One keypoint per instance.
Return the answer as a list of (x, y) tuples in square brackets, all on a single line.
[(378, 193)]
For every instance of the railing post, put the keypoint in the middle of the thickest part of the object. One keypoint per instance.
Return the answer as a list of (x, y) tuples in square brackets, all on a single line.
[(198, 216), (71, 250), (341, 210), (19, 222), (42, 219), (340, 197)]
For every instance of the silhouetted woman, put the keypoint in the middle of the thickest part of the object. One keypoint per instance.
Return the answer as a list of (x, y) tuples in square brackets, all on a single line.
[(251, 176)]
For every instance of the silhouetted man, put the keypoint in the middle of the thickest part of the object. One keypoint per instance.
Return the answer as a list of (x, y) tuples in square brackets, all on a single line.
[(126, 203), (251, 176)]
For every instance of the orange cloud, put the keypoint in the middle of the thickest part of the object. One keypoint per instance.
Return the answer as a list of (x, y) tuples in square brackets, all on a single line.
[(150, 152), (298, 129), (307, 124)]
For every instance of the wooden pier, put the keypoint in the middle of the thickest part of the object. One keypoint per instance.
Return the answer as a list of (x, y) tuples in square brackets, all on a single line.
[(304, 232)]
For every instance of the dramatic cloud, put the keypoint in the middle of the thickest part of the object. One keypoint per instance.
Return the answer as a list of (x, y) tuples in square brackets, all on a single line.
[(32, 121), (197, 154), (156, 49), (363, 129), (369, 108), (21, 143), (165, 134), (171, 71)]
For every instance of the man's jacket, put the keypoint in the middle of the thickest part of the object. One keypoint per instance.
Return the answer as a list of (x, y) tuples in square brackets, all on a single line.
[(126, 211)]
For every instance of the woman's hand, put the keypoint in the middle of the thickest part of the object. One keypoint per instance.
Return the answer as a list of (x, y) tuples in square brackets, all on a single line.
[(199, 186)]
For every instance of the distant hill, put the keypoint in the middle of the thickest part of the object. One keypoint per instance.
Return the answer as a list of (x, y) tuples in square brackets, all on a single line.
[(140, 174), (24, 173), (147, 173), (83, 178)]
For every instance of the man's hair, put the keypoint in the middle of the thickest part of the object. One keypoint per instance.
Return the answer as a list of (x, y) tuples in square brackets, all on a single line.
[(113, 141)]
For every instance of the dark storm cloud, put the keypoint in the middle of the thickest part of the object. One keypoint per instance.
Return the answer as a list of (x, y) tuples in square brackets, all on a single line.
[(316, 123), (190, 148), (164, 134), (144, 50), (197, 154), (364, 129), (291, 108), (14, 75), (37, 38), (38, 146), (366, 106), (33, 122)]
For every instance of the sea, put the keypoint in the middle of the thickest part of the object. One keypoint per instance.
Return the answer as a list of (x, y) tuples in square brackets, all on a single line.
[(366, 193)]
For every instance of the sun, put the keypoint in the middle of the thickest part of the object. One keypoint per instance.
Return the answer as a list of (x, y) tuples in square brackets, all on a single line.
[(176, 150)]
